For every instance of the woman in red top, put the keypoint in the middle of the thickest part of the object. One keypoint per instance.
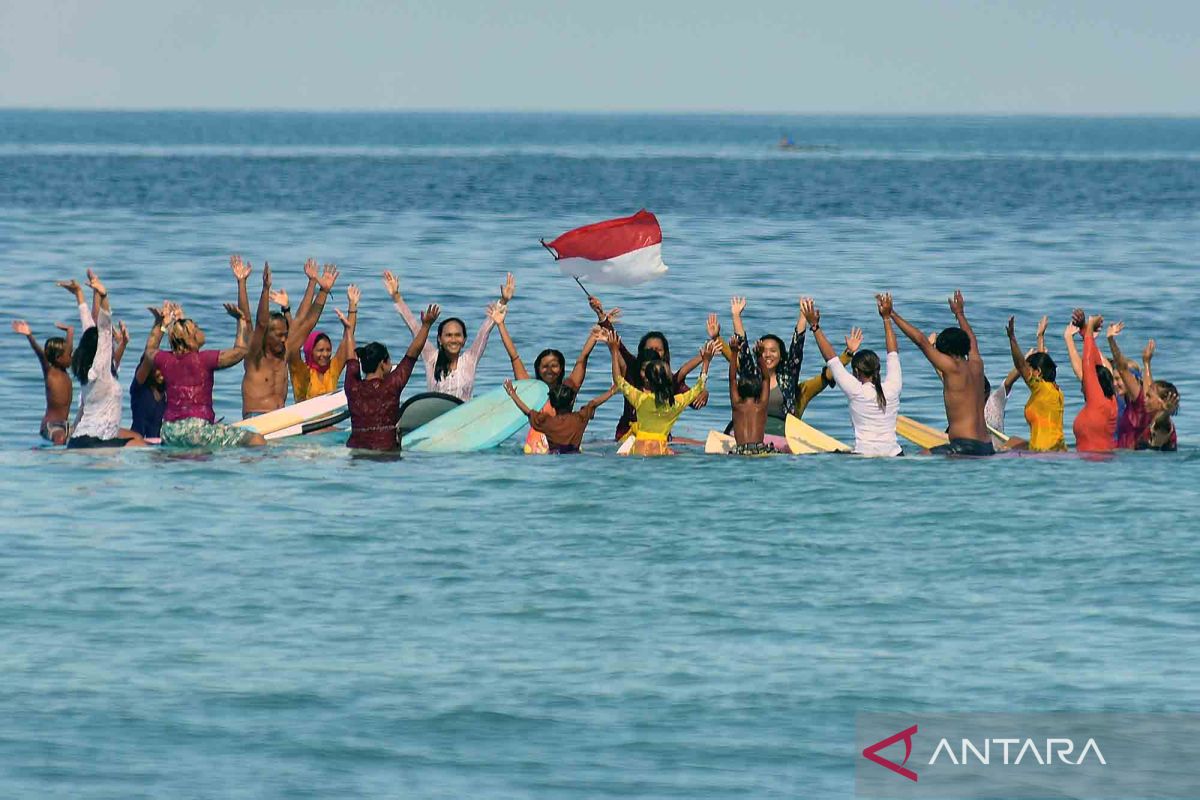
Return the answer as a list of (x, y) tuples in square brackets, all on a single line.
[(1096, 425), (373, 396)]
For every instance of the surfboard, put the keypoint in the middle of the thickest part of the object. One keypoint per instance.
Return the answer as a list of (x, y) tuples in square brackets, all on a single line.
[(423, 408), (484, 422), (919, 433), (296, 414), (804, 438), (719, 443), (324, 423)]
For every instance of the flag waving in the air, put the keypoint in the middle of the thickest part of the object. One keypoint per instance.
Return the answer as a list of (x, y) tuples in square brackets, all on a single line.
[(624, 252)]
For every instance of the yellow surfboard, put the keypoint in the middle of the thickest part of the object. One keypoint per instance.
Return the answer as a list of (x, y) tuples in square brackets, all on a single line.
[(919, 433), (804, 438), (719, 443)]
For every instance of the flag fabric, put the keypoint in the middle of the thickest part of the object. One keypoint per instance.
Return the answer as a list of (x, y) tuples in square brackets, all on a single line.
[(620, 252)]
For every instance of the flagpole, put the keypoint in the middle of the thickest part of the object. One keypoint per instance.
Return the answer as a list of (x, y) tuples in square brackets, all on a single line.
[(581, 286)]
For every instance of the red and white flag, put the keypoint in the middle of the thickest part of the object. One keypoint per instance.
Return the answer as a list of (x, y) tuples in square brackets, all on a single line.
[(622, 252)]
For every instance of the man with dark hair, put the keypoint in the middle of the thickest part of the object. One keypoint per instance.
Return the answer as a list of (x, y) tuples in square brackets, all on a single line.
[(955, 354)]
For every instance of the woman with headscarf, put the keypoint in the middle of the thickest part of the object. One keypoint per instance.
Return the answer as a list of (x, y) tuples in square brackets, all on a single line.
[(317, 366)]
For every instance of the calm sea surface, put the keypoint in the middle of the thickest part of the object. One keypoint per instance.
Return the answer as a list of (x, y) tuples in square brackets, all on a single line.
[(301, 623)]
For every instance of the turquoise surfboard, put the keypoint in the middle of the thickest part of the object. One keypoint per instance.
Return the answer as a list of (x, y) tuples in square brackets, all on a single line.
[(479, 424)]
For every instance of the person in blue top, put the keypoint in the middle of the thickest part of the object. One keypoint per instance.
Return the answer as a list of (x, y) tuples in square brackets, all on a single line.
[(148, 391)]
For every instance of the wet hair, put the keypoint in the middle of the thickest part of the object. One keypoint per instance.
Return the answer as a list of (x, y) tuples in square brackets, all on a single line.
[(175, 333), (562, 398), (442, 368), (1167, 390), (1105, 376), (749, 386), (547, 353), (370, 356), (1044, 364), (85, 354), (987, 386), (54, 347), (660, 383), (646, 355), (866, 364), (953, 342), (275, 315)]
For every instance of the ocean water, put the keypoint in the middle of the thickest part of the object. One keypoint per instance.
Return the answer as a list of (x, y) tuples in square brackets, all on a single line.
[(299, 622)]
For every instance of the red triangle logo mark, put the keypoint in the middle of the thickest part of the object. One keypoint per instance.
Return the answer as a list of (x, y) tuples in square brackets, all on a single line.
[(872, 753)]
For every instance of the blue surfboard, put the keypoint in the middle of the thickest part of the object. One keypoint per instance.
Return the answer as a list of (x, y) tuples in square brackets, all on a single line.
[(479, 424)]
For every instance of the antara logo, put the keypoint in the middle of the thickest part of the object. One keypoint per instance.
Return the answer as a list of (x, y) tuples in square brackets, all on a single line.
[(872, 753)]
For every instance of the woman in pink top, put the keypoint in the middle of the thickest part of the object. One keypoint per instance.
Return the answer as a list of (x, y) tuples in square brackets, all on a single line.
[(188, 370), (449, 368)]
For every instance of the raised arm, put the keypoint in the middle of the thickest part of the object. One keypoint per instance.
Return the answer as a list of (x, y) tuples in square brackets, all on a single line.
[(241, 273), (1041, 333), (1069, 332), (512, 392), (428, 317), (146, 365), (22, 327), (310, 272), (1091, 358), (254, 345), (813, 315), (735, 345), (579, 371), (122, 334), (958, 308), (795, 353), (884, 304), (349, 320), (610, 338), (1147, 356), (241, 344), (1018, 357), (940, 361), (600, 400), (306, 323), (1132, 385), (498, 313)]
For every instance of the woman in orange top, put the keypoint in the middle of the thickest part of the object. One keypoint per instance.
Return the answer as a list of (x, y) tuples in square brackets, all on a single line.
[(1096, 425)]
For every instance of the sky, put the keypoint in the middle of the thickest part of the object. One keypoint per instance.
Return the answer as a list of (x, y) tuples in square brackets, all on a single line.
[(791, 56)]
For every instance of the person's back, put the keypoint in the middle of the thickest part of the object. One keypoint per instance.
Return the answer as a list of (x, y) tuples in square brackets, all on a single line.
[(189, 383), (964, 399), (749, 393)]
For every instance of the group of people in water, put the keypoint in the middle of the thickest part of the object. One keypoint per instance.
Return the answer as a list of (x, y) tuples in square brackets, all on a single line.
[(171, 394)]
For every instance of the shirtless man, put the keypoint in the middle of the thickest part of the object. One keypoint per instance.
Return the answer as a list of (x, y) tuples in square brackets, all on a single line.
[(749, 392), (274, 341), (55, 359), (955, 354)]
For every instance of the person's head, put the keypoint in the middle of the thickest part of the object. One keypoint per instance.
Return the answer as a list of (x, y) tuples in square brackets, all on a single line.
[(1107, 384), (373, 359), (865, 366), (275, 341), (157, 379), (773, 351), (55, 349), (1044, 366), (85, 354), (659, 382), (749, 387), (1162, 396), (954, 342), (451, 336), (549, 366), (651, 347), (318, 351), (186, 336), (562, 398)]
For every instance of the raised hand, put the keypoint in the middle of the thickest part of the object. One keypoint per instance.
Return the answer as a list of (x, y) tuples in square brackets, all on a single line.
[(735, 342), (609, 337), (240, 268), (812, 314), (737, 305), (73, 287), (508, 387), (1116, 328), (884, 303), (854, 340), (232, 310), (430, 314), (279, 297), (596, 306), (22, 327), (1042, 323), (64, 327), (1094, 323), (329, 276), (95, 284), (172, 311), (957, 304), (1011, 327), (708, 350), (1148, 353), (497, 312), (353, 295), (392, 284), (122, 332), (611, 316), (266, 274), (1078, 319), (342, 318), (160, 314), (1072, 329), (508, 289), (713, 326), (310, 269)]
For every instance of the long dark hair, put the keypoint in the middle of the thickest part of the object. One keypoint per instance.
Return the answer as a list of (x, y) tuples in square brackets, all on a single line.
[(782, 347), (660, 383), (645, 356), (442, 368), (370, 356), (1104, 375), (85, 354), (866, 364), (1044, 364)]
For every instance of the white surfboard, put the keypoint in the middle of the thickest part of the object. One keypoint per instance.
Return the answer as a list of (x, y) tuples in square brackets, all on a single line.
[(297, 414)]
